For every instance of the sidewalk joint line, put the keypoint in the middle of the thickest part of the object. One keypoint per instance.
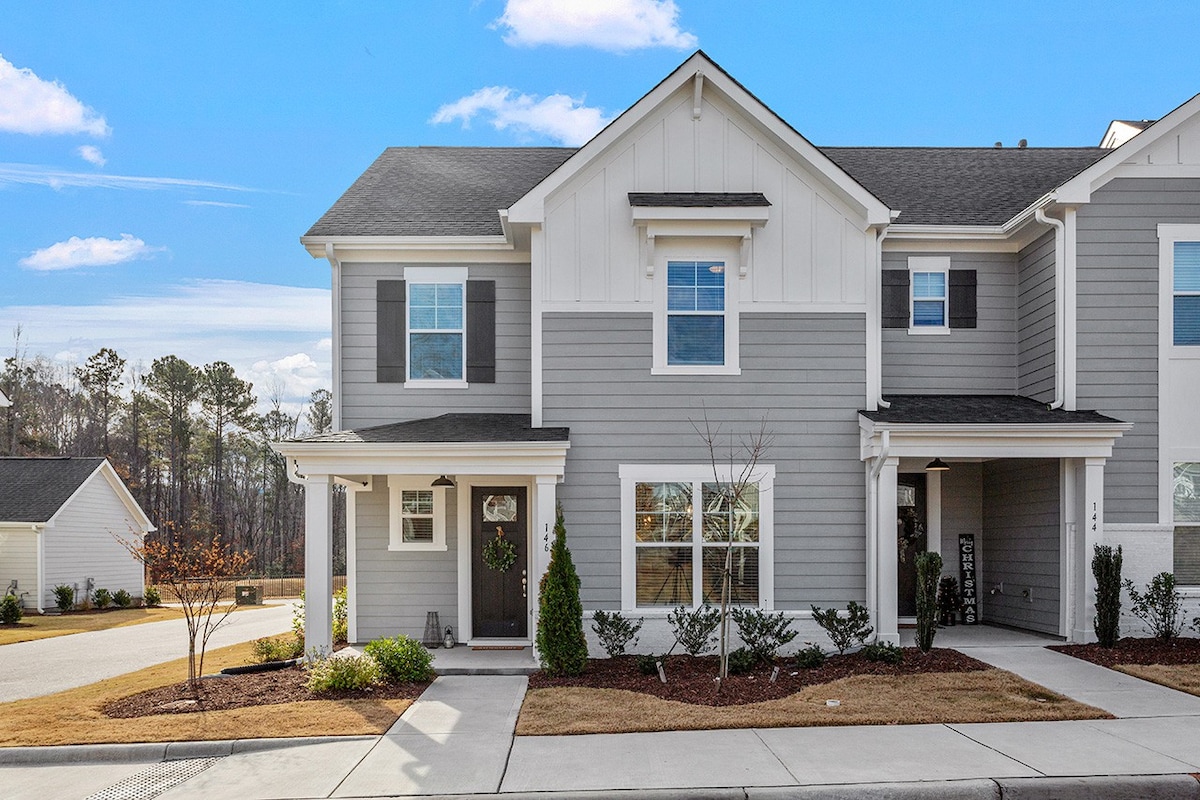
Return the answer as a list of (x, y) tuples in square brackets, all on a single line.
[(950, 725), (758, 735)]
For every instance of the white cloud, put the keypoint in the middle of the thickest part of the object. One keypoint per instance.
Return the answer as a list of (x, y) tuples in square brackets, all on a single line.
[(31, 105), (57, 179), (91, 154), (615, 25), (558, 116), (216, 203), (243, 323), (95, 251)]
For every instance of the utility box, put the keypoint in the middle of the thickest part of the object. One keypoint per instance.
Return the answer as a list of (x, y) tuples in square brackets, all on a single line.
[(247, 596)]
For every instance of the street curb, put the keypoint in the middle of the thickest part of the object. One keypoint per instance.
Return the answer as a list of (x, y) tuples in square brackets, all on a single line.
[(1113, 787), (154, 751)]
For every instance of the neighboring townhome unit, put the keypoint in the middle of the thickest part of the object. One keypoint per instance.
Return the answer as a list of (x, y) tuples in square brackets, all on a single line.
[(984, 352)]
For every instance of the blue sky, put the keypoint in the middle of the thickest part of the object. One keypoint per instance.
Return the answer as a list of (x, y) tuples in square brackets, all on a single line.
[(159, 161)]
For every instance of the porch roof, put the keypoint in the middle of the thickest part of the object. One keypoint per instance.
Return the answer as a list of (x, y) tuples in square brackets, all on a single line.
[(964, 409), (447, 428)]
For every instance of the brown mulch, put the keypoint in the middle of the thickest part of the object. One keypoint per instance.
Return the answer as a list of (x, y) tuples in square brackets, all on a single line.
[(691, 679), (240, 691), (1130, 650)]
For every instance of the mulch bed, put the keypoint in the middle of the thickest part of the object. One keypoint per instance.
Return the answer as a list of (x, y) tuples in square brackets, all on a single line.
[(1130, 650), (240, 691), (691, 679)]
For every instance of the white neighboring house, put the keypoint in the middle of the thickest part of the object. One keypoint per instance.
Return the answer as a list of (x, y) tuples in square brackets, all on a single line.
[(60, 519), (4, 401)]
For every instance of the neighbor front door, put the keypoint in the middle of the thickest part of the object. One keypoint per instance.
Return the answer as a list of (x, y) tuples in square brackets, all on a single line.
[(499, 597)]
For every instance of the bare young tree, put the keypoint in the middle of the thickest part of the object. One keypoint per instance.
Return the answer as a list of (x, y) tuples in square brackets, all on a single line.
[(736, 477)]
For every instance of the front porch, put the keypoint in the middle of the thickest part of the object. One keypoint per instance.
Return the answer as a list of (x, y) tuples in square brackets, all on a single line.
[(1006, 488)]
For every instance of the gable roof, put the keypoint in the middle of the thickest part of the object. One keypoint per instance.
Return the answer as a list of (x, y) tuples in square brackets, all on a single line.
[(34, 489), (438, 191), (962, 185)]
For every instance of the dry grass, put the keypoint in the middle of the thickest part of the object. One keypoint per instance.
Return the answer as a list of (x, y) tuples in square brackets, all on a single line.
[(1184, 677), (37, 626), (987, 696), (74, 716)]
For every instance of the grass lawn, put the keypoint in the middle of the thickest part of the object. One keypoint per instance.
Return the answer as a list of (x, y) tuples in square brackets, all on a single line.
[(983, 696), (1174, 663), (37, 626), (74, 716), (1184, 677)]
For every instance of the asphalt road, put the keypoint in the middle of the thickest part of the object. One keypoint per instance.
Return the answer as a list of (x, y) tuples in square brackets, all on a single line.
[(45, 666)]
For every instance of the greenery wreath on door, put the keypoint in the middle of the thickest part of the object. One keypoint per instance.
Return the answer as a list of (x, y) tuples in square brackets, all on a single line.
[(499, 553)]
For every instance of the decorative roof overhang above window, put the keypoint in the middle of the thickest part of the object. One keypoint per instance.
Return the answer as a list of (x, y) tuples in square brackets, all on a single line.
[(726, 214)]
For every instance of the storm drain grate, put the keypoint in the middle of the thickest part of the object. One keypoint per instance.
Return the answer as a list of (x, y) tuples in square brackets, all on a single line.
[(154, 780)]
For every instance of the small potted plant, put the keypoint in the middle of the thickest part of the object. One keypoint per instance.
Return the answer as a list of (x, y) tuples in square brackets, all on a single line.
[(949, 600)]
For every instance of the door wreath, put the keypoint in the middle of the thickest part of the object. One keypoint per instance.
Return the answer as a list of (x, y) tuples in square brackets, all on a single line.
[(499, 553)]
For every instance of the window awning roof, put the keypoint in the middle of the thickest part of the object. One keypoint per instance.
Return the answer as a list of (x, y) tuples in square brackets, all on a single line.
[(698, 199)]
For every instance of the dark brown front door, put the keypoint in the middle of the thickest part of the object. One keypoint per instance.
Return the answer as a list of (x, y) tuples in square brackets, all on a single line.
[(499, 599), (910, 539)]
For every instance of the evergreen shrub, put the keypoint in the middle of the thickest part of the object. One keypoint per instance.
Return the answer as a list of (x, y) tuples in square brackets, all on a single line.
[(844, 631), (763, 633), (695, 630), (401, 659), (615, 632), (929, 570), (1106, 567), (561, 643)]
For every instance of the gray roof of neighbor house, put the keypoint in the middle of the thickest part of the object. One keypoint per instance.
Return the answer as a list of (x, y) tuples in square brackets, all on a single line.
[(34, 489), (974, 409), (475, 428), (438, 191), (456, 191)]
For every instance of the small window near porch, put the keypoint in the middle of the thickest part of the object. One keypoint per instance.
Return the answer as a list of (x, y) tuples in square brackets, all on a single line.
[(417, 518), (1186, 507)]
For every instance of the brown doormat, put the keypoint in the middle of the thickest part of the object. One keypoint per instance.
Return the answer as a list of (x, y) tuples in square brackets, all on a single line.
[(497, 647)]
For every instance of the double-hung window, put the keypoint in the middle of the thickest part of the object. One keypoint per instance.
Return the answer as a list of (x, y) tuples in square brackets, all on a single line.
[(436, 324), (1186, 508), (681, 527), (930, 294), (1186, 293), (695, 313), (417, 516)]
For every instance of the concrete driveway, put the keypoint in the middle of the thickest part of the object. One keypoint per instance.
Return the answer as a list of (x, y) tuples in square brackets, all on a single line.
[(45, 666)]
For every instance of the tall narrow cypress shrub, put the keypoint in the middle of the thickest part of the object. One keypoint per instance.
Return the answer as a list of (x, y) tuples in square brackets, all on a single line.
[(1106, 566), (929, 571), (561, 642)]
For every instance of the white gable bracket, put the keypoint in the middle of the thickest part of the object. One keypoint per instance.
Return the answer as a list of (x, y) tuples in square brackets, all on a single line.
[(649, 253), (697, 95)]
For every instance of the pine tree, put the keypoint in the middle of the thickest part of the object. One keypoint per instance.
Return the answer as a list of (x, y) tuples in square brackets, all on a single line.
[(561, 642)]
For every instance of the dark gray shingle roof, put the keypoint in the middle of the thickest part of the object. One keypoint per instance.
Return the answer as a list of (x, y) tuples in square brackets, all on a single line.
[(456, 191), (973, 409), (482, 428), (34, 489), (961, 185), (698, 199), (438, 191)]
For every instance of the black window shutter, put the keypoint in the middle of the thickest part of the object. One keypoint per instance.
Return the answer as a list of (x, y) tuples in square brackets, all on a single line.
[(894, 302), (481, 331), (389, 331), (962, 298)]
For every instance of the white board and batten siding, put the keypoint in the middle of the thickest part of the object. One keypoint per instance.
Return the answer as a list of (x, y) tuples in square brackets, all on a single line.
[(812, 251), (83, 543), (18, 562)]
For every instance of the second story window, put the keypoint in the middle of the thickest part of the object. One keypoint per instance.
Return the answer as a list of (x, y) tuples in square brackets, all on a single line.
[(929, 299), (695, 313), (435, 331), (1186, 291)]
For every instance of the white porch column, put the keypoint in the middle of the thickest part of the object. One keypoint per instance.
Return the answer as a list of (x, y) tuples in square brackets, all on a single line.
[(545, 512), (887, 625), (318, 564), (1089, 532)]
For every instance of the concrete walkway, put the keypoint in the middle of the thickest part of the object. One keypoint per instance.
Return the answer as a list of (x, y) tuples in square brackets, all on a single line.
[(457, 739), (45, 666)]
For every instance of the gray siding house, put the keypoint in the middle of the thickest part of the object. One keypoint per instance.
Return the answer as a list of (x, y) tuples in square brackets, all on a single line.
[(518, 329)]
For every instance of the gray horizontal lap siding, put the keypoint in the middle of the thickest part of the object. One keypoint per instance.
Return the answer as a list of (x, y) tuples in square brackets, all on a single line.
[(397, 588), (1117, 279), (1035, 319), (366, 402), (979, 360), (804, 372), (1021, 543)]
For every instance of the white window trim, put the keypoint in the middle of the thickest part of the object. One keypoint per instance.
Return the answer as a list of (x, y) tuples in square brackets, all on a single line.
[(632, 474), (1168, 237), (928, 264), (697, 249), (397, 484), (419, 275)]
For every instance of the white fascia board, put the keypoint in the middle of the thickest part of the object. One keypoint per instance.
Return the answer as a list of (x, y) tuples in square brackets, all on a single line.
[(345, 246), (1058, 440), (530, 209), (425, 458), (1079, 189), (1010, 237), (32, 527), (755, 216)]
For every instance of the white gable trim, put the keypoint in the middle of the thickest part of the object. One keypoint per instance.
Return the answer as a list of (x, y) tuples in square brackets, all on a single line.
[(1079, 189), (530, 209), (4, 401), (119, 489)]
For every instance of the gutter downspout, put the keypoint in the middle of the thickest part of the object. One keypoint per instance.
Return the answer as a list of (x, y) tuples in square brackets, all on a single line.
[(873, 524), (1060, 280), (876, 325), (336, 333)]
